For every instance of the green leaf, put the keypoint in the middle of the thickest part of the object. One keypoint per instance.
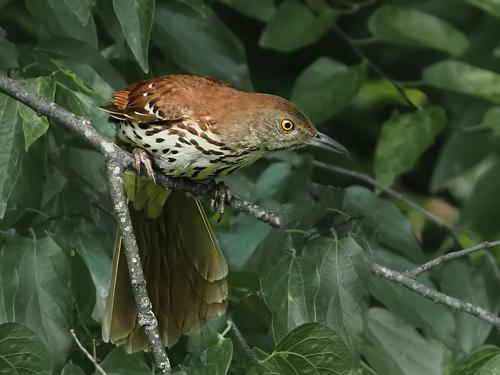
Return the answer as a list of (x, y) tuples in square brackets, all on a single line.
[(22, 352), (55, 18), (41, 298), (464, 78), (119, 362), (251, 313), (393, 347), (82, 53), (72, 369), (379, 91), (271, 180), (11, 146), (293, 183), (85, 78), (197, 5), (411, 27), (82, 93), (434, 320), (482, 362), (82, 104), (477, 286), (311, 348), (215, 360), (321, 286), (319, 6), (94, 245), (326, 87), (452, 162), (491, 367), (262, 10), (83, 289), (136, 20), (34, 125), (241, 239), (81, 8), (86, 165), (286, 290), (403, 139), (295, 26), (489, 6), (481, 208), (200, 45), (30, 170), (491, 120), (341, 298), (8, 53), (380, 216)]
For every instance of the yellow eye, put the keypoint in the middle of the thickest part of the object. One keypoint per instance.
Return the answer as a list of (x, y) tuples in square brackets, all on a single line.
[(287, 125)]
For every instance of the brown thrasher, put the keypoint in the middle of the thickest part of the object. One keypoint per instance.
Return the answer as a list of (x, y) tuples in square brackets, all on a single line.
[(198, 128)]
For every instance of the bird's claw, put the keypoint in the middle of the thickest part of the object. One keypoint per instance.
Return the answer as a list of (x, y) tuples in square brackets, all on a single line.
[(222, 195), (142, 158)]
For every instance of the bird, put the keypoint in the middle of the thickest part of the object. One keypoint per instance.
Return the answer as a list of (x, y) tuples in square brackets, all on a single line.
[(197, 128)]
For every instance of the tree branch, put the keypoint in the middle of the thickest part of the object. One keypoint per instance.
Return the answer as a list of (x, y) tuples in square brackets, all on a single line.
[(453, 255), (407, 278), (117, 160), (434, 295)]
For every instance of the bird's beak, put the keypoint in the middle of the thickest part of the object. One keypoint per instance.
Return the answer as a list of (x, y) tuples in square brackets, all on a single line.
[(324, 141)]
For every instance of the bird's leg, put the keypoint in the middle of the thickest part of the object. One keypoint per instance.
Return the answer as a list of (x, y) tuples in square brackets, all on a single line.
[(222, 195), (141, 157)]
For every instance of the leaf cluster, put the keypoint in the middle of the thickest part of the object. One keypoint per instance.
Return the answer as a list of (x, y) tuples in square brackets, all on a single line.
[(411, 88)]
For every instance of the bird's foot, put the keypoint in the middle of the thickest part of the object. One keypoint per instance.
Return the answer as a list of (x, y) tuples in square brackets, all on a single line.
[(222, 195), (142, 158)]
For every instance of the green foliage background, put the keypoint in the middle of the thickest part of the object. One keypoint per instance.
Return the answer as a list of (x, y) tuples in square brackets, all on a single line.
[(302, 297)]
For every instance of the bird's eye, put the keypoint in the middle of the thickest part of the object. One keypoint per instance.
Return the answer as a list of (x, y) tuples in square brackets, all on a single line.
[(287, 125)]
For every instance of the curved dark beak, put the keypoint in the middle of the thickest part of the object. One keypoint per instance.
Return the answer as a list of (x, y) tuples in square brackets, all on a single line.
[(324, 141)]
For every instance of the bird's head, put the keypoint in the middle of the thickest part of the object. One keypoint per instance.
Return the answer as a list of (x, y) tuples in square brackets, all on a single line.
[(275, 123)]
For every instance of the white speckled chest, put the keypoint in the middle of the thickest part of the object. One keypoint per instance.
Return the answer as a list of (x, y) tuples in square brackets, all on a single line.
[(184, 150)]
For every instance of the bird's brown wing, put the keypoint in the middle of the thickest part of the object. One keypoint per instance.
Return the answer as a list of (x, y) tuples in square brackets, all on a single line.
[(166, 98)]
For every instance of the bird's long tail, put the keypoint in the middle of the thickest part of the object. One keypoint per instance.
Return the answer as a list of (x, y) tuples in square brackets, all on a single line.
[(184, 268)]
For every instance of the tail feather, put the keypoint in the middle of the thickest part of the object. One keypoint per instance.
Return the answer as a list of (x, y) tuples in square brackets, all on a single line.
[(120, 298), (116, 114), (185, 273)]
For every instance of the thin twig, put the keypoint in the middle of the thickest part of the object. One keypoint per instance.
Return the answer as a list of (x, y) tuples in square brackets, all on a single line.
[(393, 193), (435, 296), (453, 255), (373, 66), (87, 354), (246, 348)]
